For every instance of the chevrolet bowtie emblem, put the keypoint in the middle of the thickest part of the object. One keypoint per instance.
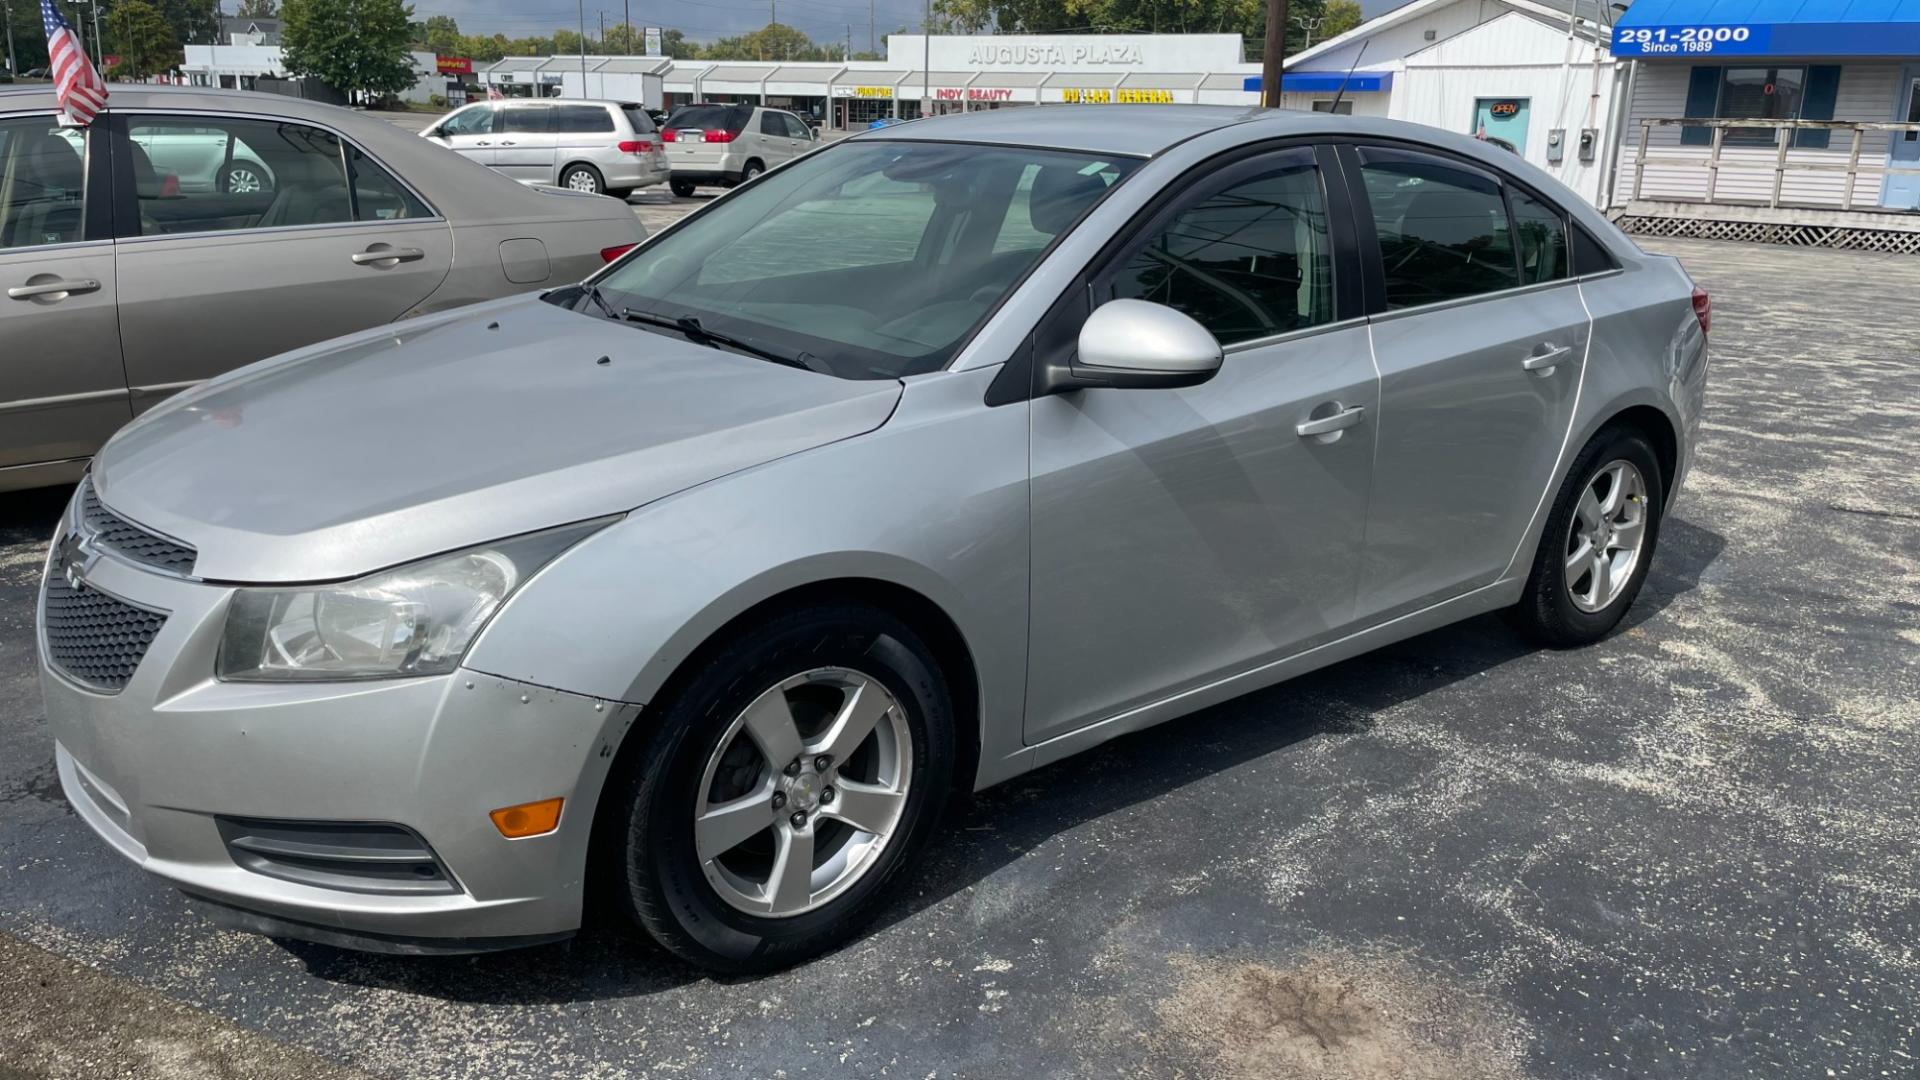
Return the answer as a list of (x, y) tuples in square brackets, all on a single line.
[(76, 558)]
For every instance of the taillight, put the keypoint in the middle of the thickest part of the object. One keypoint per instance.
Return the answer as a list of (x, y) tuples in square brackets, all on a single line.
[(719, 136), (609, 254), (636, 146), (1703, 309), (666, 134)]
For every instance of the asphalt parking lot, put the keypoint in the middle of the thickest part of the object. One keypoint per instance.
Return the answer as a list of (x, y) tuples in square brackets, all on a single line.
[(1688, 851)]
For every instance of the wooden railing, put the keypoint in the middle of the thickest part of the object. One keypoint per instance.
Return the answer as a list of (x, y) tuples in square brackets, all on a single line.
[(1783, 139)]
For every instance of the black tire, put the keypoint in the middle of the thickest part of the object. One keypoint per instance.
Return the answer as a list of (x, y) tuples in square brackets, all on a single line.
[(751, 170), (244, 179), (682, 188), (1547, 611), (584, 178), (663, 886)]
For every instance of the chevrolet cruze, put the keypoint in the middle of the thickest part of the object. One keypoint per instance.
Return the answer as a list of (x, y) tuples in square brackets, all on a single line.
[(920, 462)]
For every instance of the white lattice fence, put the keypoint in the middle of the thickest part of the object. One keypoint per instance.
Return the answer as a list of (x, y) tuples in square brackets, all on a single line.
[(1760, 232)]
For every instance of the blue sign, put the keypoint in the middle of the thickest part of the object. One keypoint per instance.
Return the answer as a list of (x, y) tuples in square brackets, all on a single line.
[(1692, 40), (1327, 82)]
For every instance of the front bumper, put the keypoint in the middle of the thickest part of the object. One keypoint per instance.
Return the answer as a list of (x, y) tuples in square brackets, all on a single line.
[(154, 767)]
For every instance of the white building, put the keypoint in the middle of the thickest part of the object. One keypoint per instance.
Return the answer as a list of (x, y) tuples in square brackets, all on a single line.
[(241, 66), (1536, 77)]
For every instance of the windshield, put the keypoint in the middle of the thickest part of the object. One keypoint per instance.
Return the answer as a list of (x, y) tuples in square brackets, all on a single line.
[(875, 259), (710, 117)]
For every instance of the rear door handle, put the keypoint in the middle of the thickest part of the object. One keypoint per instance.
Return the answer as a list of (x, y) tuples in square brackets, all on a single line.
[(373, 256), (1548, 360), (49, 288), (1327, 425), (503, 143), (483, 142)]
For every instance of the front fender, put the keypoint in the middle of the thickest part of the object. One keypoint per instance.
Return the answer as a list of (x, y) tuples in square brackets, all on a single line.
[(934, 501)]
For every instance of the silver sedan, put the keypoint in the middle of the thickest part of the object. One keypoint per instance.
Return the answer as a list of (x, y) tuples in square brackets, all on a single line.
[(187, 232), (926, 460)]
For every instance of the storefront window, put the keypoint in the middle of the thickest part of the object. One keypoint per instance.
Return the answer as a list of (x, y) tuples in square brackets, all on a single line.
[(1759, 93)]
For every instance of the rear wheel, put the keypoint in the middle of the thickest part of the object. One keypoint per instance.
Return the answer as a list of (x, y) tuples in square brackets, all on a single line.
[(682, 188), (1599, 542), (583, 178), (243, 179), (785, 786), (751, 170)]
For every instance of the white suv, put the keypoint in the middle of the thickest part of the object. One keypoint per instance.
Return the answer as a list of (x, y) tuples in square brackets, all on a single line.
[(730, 144), (606, 147)]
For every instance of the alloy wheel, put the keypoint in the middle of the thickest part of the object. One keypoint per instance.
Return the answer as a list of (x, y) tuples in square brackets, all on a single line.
[(1609, 529), (803, 792), (582, 180), (243, 182)]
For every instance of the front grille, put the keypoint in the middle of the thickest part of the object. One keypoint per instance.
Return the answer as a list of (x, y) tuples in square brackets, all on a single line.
[(95, 638), (350, 856), (114, 533)]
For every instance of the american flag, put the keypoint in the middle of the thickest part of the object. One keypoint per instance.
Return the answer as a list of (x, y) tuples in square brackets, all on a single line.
[(493, 93), (81, 89)]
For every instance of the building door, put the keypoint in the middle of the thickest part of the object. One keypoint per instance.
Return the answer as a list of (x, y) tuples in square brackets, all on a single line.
[(1901, 191), (1502, 118)]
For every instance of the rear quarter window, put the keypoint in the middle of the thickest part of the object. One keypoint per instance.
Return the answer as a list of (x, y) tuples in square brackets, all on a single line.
[(637, 116), (582, 118)]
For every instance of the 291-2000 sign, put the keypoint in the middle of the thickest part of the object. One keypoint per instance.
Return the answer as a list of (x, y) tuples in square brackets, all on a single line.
[(1680, 39)]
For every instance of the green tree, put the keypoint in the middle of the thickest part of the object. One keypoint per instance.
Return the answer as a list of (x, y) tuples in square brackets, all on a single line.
[(259, 9), (29, 45), (1338, 17), (143, 40), (482, 49), (440, 35), (354, 46), (192, 20), (774, 41)]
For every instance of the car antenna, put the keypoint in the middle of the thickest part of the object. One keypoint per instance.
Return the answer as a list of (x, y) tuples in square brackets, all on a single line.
[(1334, 109)]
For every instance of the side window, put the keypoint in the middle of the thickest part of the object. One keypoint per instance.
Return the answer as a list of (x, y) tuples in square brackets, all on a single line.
[(1248, 261), (770, 125), (202, 175), (1442, 227), (378, 196), (476, 120), (578, 119), (1542, 235), (795, 128), (42, 183), (525, 119)]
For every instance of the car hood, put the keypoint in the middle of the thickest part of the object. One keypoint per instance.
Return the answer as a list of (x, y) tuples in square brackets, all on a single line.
[(457, 429)]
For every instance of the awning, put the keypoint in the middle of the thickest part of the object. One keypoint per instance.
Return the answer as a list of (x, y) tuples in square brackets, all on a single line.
[(634, 65), (812, 76), (1704, 29), (517, 63), (1327, 82)]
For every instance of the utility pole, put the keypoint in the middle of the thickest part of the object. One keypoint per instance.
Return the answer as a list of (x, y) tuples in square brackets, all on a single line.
[(848, 51), (1309, 25), (870, 44), (13, 65), (99, 44), (582, 6), (603, 30), (626, 15), (1271, 61)]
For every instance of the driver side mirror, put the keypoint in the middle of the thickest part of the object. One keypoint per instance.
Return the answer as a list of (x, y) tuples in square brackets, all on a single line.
[(1138, 345)]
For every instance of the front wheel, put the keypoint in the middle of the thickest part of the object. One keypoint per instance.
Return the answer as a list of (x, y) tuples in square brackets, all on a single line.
[(785, 786), (583, 178), (1598, 543), (242, 179)]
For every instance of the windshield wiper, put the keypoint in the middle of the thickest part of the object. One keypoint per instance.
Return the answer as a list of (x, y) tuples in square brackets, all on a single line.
[(592, 292), (690, 327)]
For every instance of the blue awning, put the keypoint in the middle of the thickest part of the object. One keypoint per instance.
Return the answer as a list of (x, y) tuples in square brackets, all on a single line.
[(1705, 29), (1327, 82)]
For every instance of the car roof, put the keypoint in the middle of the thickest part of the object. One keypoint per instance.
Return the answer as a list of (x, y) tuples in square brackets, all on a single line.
[(1134, 130)]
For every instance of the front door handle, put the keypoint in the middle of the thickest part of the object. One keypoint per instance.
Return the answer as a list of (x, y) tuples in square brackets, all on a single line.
[(1548, 360), (483, 142), (386, 256), (503, 143), (50, 288), (1327, 425)]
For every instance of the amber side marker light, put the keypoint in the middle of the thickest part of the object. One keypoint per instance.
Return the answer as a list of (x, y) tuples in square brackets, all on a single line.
[(527, 819)]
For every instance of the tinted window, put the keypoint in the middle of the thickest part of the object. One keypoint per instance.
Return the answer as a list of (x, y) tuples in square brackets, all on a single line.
[(1542, 236), (582, 118), (377, 195), (638, 118), (796, 129), (1249, 261), (1589, 255), (877, 259), (1442, 227), (476, 120), (525, 119), (42, 183), (1765, 93), (709, 117)]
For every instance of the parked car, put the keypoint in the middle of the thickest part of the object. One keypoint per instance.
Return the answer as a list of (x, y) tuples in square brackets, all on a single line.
[(731, 144), (935, 457), (600, 147), (250, 224)]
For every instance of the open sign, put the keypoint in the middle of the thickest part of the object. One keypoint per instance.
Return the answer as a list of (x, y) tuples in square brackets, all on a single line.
[(1504, 108)]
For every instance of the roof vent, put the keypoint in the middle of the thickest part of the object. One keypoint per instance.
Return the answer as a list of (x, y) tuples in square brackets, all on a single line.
[(1431, 34)]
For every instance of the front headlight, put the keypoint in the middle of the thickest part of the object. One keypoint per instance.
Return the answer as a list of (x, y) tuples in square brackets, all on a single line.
[(412, 620)]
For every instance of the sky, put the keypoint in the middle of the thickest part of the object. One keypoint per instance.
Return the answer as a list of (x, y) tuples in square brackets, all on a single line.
[(704, 20)]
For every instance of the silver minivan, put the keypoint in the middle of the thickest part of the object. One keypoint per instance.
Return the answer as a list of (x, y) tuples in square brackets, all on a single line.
[(731, 144), (604, 147)]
